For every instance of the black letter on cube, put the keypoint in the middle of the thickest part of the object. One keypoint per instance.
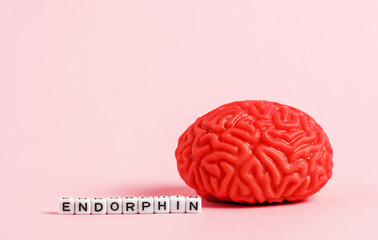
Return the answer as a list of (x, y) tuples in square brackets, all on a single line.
[(114, 205), (66, 205), (193, 204), (130, 205), (83, 206), (146, 204), (177, 204), (161, 204), (98, 206)]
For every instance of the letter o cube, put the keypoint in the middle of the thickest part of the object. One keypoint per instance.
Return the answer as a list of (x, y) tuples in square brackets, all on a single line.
[(114, 205)]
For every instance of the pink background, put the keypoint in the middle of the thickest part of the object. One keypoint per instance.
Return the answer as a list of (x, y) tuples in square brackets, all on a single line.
[(94, 95)]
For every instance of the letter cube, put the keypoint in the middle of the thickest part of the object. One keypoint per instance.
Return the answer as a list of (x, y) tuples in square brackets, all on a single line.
[(66, 205), (177, 204), (98, 205), (146, 205), (193, 204), (82, 206), (130, 205), (114, 205), (161, 204)]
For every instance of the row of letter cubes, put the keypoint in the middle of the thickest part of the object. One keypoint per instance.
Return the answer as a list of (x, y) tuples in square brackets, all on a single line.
[(129, 205)]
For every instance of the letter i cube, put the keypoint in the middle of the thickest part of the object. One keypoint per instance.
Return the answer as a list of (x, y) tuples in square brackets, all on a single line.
[(177, 204)]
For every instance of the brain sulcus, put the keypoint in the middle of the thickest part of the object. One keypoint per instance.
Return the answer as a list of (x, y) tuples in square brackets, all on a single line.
[(255, 152)]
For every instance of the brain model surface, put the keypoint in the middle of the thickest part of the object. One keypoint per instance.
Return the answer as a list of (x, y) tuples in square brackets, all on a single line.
[(255, 152)]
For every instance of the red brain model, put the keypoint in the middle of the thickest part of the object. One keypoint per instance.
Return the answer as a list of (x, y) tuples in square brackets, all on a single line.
[(255, 152)]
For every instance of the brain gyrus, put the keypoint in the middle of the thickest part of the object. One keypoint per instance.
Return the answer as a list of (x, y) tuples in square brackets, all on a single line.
[(255, 152)]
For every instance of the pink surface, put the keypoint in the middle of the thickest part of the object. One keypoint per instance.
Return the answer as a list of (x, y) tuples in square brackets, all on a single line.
[(94, 95)]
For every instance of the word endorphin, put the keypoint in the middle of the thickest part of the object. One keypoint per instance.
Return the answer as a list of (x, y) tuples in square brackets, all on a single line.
[(130, 205)]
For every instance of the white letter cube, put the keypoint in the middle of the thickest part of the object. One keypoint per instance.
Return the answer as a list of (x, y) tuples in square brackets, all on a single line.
[(98, 205), (83, 206), (161, 204), (177, 204), (130, 205), (145, 204), (114, 205), (193, 204), (66, 205)]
